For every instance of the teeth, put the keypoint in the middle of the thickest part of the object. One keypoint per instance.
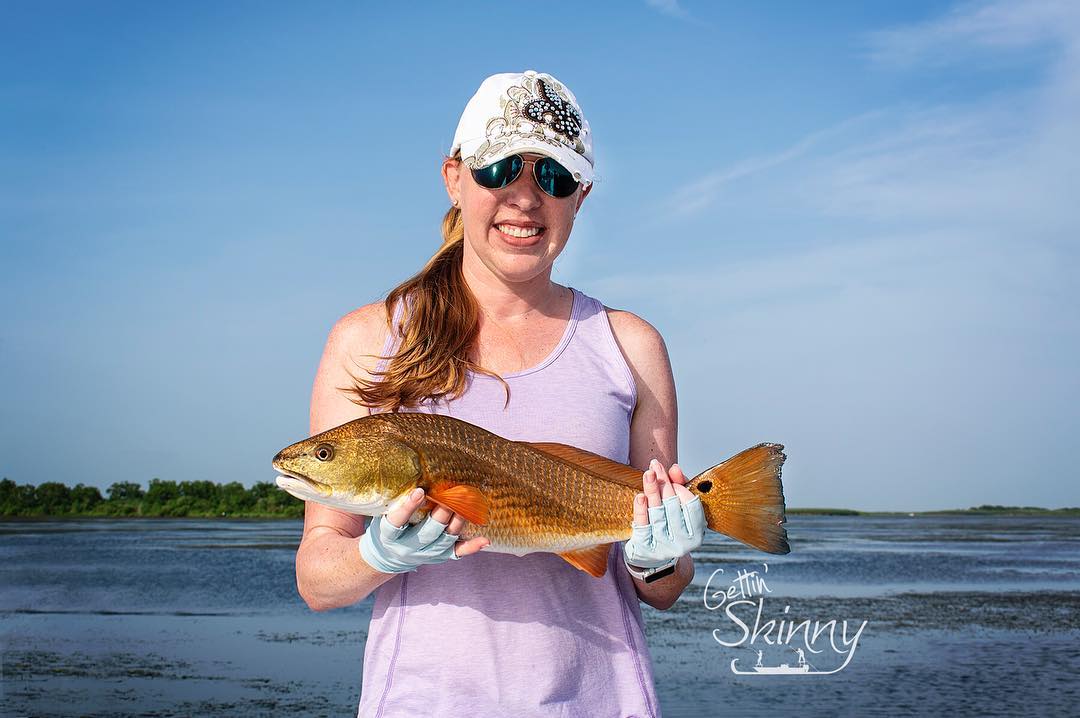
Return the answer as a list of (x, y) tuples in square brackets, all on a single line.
[(518, 231)]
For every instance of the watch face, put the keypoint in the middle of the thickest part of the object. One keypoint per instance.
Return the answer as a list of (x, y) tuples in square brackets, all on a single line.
[(660, 574)]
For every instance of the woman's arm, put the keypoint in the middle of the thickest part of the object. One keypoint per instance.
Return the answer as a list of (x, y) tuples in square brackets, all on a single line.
[(330, 572), (653, 430)]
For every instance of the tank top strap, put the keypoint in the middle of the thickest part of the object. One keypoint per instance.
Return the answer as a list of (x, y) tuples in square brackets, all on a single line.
[(594, 337)]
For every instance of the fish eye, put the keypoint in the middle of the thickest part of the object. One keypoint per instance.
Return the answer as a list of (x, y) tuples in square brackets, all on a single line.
[(324, 452)]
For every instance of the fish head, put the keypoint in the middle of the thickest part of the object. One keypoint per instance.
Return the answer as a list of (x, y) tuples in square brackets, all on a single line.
[(347, 468)]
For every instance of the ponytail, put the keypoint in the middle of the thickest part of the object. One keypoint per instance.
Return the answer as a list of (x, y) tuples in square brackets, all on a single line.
[(438, 329)]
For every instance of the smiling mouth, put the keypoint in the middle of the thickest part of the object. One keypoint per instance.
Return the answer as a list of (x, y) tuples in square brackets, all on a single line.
[(520, 236), (514, 230)]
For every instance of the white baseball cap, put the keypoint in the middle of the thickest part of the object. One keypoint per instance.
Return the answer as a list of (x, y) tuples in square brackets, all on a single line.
[(516, 112)]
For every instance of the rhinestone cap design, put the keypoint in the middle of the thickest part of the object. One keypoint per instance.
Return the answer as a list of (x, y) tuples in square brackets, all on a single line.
[(525, 112)]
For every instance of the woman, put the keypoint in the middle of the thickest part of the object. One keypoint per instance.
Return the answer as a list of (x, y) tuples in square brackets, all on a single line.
[(483, 334)]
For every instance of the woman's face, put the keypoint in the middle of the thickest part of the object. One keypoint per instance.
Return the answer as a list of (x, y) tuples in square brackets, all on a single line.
[(498, 223)]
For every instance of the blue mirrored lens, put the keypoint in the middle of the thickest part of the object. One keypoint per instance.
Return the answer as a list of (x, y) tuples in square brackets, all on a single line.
[(498, 174), (554, 179)]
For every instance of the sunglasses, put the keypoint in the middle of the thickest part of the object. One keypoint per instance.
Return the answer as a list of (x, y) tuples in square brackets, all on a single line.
[(552, 177)]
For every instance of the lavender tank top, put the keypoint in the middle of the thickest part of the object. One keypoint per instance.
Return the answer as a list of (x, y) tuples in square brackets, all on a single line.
[(499, 635)]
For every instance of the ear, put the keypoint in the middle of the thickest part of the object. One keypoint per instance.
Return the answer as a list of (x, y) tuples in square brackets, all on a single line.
[(581, 199), (451, 173)]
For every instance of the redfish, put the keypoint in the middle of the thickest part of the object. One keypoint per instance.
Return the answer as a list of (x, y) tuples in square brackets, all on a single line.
[(524, 497)]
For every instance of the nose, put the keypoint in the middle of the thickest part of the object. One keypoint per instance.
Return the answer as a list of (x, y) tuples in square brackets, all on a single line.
[(524, 193)]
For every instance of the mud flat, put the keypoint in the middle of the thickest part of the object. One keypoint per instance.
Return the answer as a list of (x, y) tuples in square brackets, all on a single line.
[(963, 616)]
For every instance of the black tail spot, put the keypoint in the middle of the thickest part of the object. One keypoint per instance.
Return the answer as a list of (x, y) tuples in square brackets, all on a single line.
[(704, 487)]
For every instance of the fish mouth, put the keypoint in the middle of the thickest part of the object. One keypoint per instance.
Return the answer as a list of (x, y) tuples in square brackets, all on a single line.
[(300, 486), (307, 489)]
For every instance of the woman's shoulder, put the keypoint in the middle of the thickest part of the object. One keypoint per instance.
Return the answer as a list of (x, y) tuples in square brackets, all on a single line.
[(350, 354), (354, 345), (636, 337), (363, 330), (644, 351)]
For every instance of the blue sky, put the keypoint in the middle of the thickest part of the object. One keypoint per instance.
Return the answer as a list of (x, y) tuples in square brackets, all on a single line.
[(855, 224)]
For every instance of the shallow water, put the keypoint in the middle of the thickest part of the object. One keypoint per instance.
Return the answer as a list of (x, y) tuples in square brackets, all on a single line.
[(970, 615)]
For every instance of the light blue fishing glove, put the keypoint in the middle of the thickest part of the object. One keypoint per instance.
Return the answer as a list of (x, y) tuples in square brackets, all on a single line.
[(673, 530), (393, 549)]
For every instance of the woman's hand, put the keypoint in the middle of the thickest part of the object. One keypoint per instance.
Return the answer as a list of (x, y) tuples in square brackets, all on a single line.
[(391, 545), (669, 521)]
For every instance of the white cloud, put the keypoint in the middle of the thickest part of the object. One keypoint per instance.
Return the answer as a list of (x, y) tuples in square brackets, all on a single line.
[(988, 26), (1008, 157), (668, 7), (699, 194)]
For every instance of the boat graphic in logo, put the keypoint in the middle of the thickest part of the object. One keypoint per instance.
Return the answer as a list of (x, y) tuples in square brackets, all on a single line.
[(801, 667)]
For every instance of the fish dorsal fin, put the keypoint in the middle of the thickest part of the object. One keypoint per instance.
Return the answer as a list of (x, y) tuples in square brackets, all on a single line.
[(602, 466), (592, 560), (466, 501)]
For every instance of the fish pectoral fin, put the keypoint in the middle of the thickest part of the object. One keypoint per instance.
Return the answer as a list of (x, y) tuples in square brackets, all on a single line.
[(466, 501), (592, 560), (601, 466)]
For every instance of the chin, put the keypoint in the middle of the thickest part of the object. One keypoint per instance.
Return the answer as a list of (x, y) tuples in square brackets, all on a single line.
[(518, 274), (519, 267)]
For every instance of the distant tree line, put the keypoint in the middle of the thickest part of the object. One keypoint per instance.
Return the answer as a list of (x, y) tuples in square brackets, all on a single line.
[(161, 498), (201, 499)]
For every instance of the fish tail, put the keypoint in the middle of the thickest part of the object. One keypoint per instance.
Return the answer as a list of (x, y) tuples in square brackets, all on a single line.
[(744, 499)]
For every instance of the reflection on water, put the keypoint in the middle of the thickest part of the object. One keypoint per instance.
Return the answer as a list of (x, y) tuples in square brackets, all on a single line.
[(971, 615)]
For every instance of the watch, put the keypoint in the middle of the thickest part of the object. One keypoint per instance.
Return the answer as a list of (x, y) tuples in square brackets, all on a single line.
[(648, 575)]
